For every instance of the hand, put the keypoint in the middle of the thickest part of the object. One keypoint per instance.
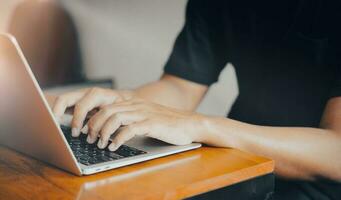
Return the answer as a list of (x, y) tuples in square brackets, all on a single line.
[(84, 101), (139, 117)]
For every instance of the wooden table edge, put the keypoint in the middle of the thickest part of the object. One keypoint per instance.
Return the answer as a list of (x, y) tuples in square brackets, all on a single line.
[(220, 181)]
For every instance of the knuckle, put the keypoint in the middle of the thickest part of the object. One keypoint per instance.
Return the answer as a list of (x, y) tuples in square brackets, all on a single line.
[(105, 111), (106, 134), (114, 92), (118, 97), (92, 125), (120, 136), (144, 103), (139, 106), (132, 129), (117, 116), (106, 130), (95, 90), (60, 99), (105, 107), (148, 104), (79, 107)]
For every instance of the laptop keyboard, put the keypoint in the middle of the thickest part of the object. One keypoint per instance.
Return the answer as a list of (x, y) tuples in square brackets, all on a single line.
[(90, 154)]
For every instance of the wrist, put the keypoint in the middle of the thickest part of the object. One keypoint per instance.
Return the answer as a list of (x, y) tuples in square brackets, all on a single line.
[(216, 131), (197, 128), (127, 94), (203, 128)]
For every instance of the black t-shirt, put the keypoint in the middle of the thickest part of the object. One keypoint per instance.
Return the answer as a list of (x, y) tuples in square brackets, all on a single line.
[(287, 56)]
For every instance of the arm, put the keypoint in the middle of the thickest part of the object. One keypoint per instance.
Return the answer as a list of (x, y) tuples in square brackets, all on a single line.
[(303, 153), (173, 92), (300, 153)]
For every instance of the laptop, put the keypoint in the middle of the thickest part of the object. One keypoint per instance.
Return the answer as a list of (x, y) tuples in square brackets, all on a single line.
[(27, 125)]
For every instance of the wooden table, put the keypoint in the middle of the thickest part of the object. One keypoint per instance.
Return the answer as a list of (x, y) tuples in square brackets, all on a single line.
[(174, 177)]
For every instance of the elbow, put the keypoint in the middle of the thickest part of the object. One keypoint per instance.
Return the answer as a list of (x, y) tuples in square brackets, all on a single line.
[(334, 166), (337, 174), (338, 159), (338, 178)]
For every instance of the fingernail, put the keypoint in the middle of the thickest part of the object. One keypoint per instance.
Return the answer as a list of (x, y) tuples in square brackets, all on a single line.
[(101, 144), (112, 147), (85, 129), (66, 119), (90, 140), (74, 132)]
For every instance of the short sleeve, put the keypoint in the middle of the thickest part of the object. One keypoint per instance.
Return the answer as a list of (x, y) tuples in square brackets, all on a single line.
[(336, 87), (334, 52), (200, 51)]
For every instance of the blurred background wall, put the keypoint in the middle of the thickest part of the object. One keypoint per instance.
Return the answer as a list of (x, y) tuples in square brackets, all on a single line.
[(130, 41), (6, 9)]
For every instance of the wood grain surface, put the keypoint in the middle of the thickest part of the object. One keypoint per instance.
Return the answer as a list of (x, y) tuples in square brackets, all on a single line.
[(173, 177)]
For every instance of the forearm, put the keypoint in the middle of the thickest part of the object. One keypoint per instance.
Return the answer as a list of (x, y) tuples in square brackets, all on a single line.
[(298, 152), (173, 92)]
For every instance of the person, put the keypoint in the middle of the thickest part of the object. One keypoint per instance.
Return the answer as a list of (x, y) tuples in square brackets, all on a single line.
[(286, 56)]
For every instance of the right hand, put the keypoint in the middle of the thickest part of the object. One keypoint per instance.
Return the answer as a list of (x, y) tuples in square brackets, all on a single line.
[(86, 100)]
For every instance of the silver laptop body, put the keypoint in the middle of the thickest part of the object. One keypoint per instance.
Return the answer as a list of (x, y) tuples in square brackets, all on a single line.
[(27, 124)]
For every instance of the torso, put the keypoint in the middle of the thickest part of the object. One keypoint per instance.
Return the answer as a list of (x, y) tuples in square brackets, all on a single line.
[(281, 59)]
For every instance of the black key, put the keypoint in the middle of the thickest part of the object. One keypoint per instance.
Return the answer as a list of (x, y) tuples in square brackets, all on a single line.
[(106, 158), (92, 150), (77, 153), (84, 157), (113, 155), (92, 162), (83, 145), (76, 142), (83, 151), (102, 152), (128, 151), (122, 151), (111, 159), (86, 163), (102, 158), (89, 154), (75, 148), (95, 161)]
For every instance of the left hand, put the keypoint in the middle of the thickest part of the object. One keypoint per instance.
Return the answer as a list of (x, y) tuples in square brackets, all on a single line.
[(139, 117)]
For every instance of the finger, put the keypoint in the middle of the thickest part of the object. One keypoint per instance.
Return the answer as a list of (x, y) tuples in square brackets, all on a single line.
[(119, 102), (66, 100), (127, 133), (93, 99), (96, 122), (65, 120), (86, 104), (114, 122), (96, 118)]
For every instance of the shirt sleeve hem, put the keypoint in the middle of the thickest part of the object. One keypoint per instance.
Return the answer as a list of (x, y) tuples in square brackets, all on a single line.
[(193, 77)]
